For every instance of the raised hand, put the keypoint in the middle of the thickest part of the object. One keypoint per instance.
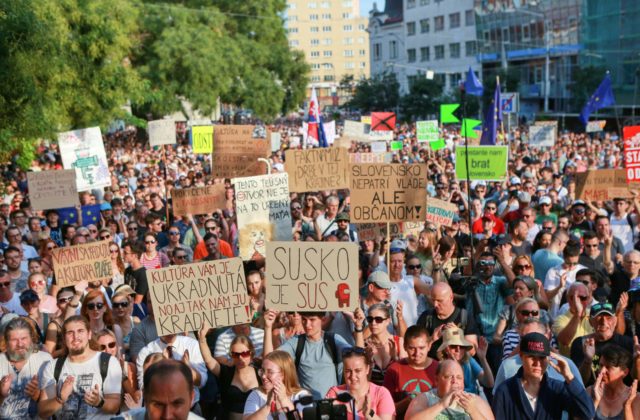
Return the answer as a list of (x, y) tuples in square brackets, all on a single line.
[(269, 318), (483, 346), (132, 402), (92, 397), (589, 347), (5, 385), (633, 393), (561, 366), (598, 389), (32, 389), (623, 302)]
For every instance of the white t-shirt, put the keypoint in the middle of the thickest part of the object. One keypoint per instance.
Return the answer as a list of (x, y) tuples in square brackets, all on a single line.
[(402, 290), (16, 405), (86, 374), (257, 399), (13, 305), (553, 280), (621, 229)]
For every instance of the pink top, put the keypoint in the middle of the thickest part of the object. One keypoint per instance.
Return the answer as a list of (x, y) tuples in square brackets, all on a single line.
[(159, 261), (380, 400)]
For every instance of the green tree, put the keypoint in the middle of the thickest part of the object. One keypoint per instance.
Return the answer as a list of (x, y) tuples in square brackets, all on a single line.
[(421, 100), (378, 93)]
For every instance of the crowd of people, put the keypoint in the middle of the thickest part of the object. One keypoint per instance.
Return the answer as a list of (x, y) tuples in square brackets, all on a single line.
[(526, 306)]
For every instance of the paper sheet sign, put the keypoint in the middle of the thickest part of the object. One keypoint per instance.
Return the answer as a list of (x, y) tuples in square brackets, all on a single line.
[(317, 169), (312, 276), (83, 150), (202, 136), (187, 297), (161, 132), (427, 131), (90, 262), (198, 200), (441, 212), (53, 189)]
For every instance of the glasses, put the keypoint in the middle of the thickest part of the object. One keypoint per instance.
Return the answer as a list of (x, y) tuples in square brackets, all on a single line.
[(413, 267), (526, 313), (578, 211), (353, 350), (583, 298), (263, 372), (487, 263), (5, 284), (149, 242), (38, 282), (49, 248), (110, 345), (239, 354), (94, 306), (93, 231), (65, 300), (173, 233), (179, 257), (122, 305), (210, 228), (105, 236), (113, 251), (523, 267), (132, 228), (376, 319), (545, 205)]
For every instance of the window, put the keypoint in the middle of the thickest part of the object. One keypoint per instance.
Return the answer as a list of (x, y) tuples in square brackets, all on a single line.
[(315, 66), (454, 50), (315, 78), (327, 66), (347, 28), (293, 43), (347, 4), (360, 40), (470, 48), (293, 30), (292, 18), (315, 42), (312, 5), (328, 77), (348, 41), (347, 15), (411, 28), (326, 41), (314, 29), (438, 23), (411, 4), (349, 65), (315, 53), (424, 2), (363, 65), (325, 4), (348, 53), (291, 6), (411, 55), (393, 49), (361, 27), (313, 17), (327, 53), (439, 52), (424, 54), (424, 26), (377, 51), (454, 20), (469, 18), (525, 33), (326, 16), (362, 53), (326, 29)]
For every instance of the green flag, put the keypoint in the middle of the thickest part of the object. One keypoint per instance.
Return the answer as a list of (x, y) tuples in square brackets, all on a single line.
[(468, 126), (446, 113)]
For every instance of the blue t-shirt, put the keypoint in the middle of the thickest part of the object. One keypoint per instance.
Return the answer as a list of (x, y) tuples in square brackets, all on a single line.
[(543, 260), (471, 370)]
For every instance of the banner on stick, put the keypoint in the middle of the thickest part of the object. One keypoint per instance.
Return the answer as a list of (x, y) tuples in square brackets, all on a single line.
[(631, 136), (198, 200), (427, 131), (161, 132), (543, 133)]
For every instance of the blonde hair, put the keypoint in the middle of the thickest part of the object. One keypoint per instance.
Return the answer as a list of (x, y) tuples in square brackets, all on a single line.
[(289, 375)]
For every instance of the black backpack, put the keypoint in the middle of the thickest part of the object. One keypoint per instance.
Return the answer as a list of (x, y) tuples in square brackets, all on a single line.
[(104, 367), (426, 319), (329, 343)]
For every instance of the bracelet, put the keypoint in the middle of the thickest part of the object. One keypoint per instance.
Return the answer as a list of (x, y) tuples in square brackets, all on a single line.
[(355, 329)]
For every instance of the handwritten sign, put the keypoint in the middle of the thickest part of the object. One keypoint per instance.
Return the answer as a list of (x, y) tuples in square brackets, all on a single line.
[(357, 131), (317, 169), (595, 126), (379, 147), (73, 264), (631, 136), (210, 293), (202, 136), (83, 151), (543, 134), (52, 189), (161, 132), (413, 228), (198, 200), (312, 276), (366, 158), (276, 141), (427, 131), (375, 231), (237, 149), (263, 211), (602, 184), (388, 192), (441, 212)]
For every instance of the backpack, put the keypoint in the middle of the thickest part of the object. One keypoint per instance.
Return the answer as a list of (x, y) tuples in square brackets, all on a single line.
[(104, 367), (428, 319), (329, 343)]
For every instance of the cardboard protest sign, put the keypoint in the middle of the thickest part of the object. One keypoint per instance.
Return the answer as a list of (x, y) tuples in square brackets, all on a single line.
[(236, 149), (205, 294), (487, 163), (202, 136), (329, 131), (366, 158), (90, 262), (380, 136), (543, 135), (317, 169), (602, 184), (427, 131), (595, 126), (263, 211), (312, 276), (631, 136), (83, 151), (383, 121), (441, 212), (375, 231), (161, 132), (388, 192), (198, 200), (52, 189)]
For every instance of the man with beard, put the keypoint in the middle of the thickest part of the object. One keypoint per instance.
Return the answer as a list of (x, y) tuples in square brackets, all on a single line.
[(20, 368), (86, 384)]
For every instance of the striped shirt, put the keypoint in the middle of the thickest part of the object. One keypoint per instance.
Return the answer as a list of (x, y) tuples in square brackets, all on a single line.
[(223, 343)]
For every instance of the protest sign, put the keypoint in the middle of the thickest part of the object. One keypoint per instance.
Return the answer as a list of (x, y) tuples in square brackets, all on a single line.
[(427, 131), (357, 131), (329, 131), (487, 163), (52, 189), (90, 262), (383, 121), (342, 142), (631, 136), (396, 145), (276, 141), (206, 294), (366, 158), (595, 126), (312, 276), (441, 212), (198, 200), (83, 151), (161, 132), (413, 228), (365, 119), (202, 136), (543, 133), (602, 184), (263, 211), (388, 192), (375, 231), (319, 169), (379, 136), (378, 147), (236, 149)]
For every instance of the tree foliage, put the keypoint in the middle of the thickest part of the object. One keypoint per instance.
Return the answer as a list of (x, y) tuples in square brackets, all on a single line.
[(422, 99), (378, 93), (585, 81)]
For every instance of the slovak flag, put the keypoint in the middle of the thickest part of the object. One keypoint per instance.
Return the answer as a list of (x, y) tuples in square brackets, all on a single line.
[(315, 129)]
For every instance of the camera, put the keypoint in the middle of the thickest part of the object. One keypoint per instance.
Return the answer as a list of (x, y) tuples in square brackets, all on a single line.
[(325, 409)]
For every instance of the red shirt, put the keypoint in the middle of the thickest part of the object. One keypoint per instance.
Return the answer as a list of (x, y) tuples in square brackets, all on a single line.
[(401, 379), (498, 225)]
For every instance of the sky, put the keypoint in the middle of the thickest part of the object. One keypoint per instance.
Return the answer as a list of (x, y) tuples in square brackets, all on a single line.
[(366, 5)]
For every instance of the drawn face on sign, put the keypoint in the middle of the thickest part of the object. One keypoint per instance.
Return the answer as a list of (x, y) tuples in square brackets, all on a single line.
[(258, 242)]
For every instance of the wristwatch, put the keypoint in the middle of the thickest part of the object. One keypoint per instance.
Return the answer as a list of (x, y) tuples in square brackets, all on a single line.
[(101, 403)]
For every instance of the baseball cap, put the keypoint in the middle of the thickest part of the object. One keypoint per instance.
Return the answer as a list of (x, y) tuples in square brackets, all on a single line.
[(342, 216), (380, 279), (105, 206), (397, 245), (524, 197), (602, 308), (515, 180), (535, 344), (578, 203), (544, 200)]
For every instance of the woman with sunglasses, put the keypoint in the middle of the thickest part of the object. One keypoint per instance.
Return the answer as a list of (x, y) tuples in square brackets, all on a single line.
[(382, 347), (291, 324), (54, 342), (106, 342), (151, 258), (523, 266), (122, 305), (236, 381), (372, 401), (526, 308), (96, 310), (38, 283), (117, 265)]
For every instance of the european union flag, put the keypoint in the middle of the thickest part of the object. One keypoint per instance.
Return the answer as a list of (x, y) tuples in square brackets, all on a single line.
[(472, 85), (90, 215), (601, 98), (492, 118)]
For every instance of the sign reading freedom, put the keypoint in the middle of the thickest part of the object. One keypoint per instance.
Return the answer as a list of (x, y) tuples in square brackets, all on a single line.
[(198, 200), (210, 293), (388, 192), (312, 276), (90, 262), (317, 169)]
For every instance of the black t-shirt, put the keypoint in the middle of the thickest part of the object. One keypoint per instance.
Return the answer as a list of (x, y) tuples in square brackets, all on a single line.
[(596, 264), (137, 279), (620, 282), (577, 352), (430, 320), (232, 398)]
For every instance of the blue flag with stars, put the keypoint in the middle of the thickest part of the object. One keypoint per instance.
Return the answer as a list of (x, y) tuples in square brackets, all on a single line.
[(90, 215), (472, 85), (601, 98), (492, 119)]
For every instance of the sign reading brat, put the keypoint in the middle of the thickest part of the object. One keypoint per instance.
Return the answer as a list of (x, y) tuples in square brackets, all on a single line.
[(210, 293), (198, 200), (73, 264), (388, 192), (312, 276), (317, 169)]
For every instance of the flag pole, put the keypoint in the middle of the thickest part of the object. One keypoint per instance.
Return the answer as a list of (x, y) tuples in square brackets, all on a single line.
[(466, 157), (499, 107), (166, 189)]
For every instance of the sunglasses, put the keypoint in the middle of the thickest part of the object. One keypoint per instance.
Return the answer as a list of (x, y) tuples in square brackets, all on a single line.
[(93, 231), (180, 257), (352, 350), (174, 233), (583, 298), (413, 267), (579, 211), (210, 228), (487, 263), (94, 306), (105, 236), (113, 251), (490, 208), (49, 248), (523, 267), (5, 284), (117, 305), (526, 313), (111, 345), (149, 242), (65, 300), (376, 319), (239, 354)]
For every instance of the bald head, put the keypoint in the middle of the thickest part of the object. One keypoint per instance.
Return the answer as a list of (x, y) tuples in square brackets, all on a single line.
[(442, 297), (450, 377)]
